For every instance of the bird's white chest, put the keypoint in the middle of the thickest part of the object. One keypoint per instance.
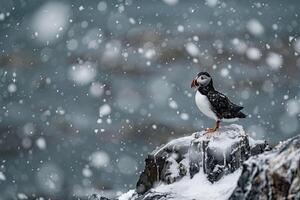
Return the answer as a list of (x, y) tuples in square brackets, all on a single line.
[(204, 105)]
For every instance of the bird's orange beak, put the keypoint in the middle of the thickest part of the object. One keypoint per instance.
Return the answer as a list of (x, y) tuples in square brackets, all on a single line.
[(194, 83)]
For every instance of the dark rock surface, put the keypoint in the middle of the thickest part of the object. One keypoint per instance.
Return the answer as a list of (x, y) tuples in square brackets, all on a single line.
[(272, 175)]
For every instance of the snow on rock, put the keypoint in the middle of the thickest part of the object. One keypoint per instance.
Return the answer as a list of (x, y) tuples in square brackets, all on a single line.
[(272, 175), (189, 189), (209, 160), (221, 153), (198, 166)]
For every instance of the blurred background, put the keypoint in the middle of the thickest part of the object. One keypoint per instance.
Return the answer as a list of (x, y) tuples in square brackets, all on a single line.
[(89, 88)]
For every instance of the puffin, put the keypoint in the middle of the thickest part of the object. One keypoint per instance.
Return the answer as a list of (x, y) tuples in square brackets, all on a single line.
[(214, 104)]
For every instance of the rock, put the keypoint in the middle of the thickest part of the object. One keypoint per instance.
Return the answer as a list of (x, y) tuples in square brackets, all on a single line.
[(258, 146), (216, 154), (213, 161), (167, 164), (272, 175), (221, 153)]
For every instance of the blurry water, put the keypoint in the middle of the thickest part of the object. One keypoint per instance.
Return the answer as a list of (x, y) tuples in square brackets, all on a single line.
[(88, 88)]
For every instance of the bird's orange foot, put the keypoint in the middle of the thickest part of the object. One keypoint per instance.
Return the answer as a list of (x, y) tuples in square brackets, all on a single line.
[(210, 130)]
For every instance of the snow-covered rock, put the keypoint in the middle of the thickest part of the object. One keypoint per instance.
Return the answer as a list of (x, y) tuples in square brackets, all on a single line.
[(271, 175), (201, 166), (214, 155)]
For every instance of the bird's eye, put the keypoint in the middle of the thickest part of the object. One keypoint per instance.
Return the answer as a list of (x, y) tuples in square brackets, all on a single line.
[(201, 77)]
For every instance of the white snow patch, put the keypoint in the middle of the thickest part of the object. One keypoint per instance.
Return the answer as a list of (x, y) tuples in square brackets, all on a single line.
[(127, 195), (199, 188)]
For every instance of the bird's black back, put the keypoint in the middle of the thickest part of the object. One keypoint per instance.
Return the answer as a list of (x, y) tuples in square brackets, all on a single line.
[(220, 104)]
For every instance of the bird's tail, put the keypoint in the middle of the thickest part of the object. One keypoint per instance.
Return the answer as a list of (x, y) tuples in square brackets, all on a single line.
[(241, 115)]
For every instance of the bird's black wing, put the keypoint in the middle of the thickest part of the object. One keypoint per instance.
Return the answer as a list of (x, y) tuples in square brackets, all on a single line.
[(222, 106)]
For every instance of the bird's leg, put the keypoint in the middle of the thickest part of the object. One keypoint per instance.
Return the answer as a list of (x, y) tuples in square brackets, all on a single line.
[(211, 130)]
